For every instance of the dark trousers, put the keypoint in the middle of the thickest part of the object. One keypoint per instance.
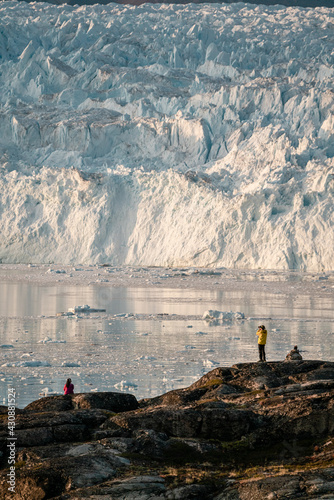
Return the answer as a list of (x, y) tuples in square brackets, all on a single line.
[(262, 353)]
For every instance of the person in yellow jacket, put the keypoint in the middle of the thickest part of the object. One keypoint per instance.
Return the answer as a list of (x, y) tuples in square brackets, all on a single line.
[(262, 334)]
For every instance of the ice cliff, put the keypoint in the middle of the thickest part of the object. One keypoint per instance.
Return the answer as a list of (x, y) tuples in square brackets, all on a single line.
[(167, 135)]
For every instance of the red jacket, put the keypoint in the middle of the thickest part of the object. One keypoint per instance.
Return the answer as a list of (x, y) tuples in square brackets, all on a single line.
[(69, 389)]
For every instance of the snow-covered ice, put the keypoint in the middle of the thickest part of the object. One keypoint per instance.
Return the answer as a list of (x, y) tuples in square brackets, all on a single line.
[(173, 135)]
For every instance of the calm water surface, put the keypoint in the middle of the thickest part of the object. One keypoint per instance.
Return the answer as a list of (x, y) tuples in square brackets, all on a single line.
[(146, 356)]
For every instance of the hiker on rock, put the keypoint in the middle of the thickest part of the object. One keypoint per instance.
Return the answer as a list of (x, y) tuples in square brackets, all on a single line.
[(262, 334), (68, 387), (294, 355)]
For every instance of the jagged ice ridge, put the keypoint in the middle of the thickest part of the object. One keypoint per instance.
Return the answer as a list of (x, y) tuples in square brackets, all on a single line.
[(197, 135)]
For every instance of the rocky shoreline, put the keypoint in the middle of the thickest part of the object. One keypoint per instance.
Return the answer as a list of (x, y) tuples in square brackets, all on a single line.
[(250, 431)]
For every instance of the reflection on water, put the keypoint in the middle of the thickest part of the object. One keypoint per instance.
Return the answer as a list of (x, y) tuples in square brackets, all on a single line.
[(147, 356), (19, 300)]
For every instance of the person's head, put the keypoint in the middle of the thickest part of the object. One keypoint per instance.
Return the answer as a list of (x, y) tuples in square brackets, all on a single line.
[(296, 348), (68, 381), (262, 327)]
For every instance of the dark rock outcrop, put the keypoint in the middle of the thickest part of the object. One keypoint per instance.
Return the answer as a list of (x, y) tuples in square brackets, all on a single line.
[(253, 430), (111, 401)]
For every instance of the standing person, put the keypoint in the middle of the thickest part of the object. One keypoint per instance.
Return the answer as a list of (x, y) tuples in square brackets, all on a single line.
[(68, 387), (262, 334)]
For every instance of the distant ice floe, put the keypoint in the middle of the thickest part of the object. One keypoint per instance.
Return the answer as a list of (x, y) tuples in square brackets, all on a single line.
[(146, 358), (31, 364), (46, 391), (125, 385), (84, 309), (70, 364), (48, 340), (6, 346), (213, 315), (210, 363)]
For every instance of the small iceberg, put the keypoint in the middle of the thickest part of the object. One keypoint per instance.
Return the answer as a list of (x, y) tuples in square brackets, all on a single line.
[(48, 340), (125, 385), (31, 364), (84, 309), (213, 315), (209, 363)]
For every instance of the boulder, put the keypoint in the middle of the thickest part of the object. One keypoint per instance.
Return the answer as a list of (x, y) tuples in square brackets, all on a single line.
[(209, 421), (51, 403), (112, 401)]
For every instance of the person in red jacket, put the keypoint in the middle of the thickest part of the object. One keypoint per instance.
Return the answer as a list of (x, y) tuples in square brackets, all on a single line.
[(68, 387)]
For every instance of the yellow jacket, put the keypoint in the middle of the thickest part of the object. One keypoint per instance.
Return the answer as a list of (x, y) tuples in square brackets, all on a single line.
[(262, 336)]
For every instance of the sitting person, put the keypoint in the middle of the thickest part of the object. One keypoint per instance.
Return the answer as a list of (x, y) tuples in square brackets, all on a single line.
[(68, 387), (294, 355)]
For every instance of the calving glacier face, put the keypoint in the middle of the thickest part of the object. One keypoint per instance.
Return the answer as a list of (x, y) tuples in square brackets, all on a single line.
[(167, 135)]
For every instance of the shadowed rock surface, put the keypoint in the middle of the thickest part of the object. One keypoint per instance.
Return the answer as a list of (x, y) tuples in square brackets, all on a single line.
[(250, 431), (112, 401)]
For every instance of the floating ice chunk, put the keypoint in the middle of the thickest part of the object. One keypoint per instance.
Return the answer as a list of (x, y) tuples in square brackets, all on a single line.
[(125, 385), (31, 363), (49, 340), (46, 391), (70, 364), (35, 363), (189, 347), (212, 315), (45, 340), (209, 363), (146, 358), (201, 333), (6, 346), (84, 309)]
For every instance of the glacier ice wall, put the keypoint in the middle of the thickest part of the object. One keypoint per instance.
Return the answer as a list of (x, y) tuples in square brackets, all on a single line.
[(167, 135)]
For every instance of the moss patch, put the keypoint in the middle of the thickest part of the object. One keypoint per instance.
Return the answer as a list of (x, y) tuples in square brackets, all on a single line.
[(215, 382)]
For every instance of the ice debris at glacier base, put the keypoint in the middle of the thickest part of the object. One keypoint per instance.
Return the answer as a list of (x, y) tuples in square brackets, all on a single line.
[(164, 135)]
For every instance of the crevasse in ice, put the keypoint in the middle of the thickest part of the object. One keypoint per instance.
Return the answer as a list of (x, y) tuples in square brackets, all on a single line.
[(167, 135)]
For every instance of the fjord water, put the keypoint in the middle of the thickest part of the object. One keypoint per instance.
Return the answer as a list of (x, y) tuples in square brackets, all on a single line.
[(149, 340)]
